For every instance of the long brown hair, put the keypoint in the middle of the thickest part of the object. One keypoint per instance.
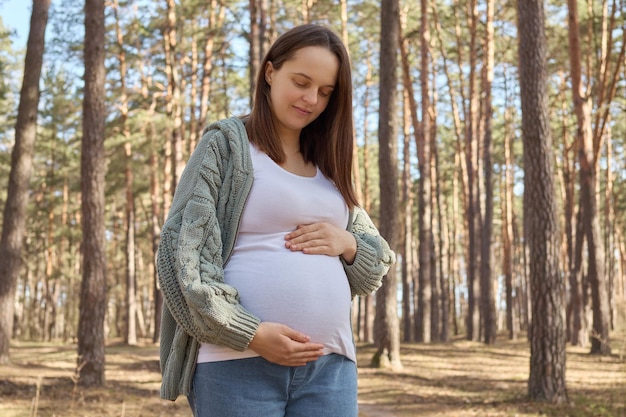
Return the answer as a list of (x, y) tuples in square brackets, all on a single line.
[(325, 142)]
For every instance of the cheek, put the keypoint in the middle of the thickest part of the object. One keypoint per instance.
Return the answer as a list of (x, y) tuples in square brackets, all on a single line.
[(322, 104), (282, 94)]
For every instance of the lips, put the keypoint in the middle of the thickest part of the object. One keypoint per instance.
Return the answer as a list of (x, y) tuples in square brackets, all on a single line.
[(302, 111)]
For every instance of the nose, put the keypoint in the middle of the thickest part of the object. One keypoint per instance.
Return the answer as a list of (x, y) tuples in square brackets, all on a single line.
[(310, 96)]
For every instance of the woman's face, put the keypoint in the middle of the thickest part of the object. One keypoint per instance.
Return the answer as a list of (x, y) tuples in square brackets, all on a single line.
[(301, 88)]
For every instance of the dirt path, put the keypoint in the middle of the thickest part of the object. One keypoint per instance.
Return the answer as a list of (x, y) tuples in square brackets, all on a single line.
[(459, 379), (370, 410)]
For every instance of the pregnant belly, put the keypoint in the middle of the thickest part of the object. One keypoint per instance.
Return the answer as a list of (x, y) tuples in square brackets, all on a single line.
[(309, 293)]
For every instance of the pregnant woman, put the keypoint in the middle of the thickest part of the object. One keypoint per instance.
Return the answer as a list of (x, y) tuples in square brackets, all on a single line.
[(265, 246)]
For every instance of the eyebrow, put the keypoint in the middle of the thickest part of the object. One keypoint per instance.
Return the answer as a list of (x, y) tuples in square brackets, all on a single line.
[(311, 79)]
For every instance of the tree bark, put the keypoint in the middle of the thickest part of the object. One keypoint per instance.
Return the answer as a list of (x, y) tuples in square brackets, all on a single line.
[(14, 215), (216, 18), (547, 333), (174, 104), (473, 207), (93, 289), (442, 260), (425, 286), (130, 334), (255, 48), (387, 329), (487, 297), (588, 197), (194, 129), (52, 285), (507, 230), (576, 323), (407, 236), (435, 226), (367, 312)]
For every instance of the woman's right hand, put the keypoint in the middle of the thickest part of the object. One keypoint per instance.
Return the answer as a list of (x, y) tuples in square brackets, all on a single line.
[(283, 345)]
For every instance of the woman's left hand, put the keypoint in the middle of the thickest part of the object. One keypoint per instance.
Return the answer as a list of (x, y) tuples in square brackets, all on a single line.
[(322, 239)]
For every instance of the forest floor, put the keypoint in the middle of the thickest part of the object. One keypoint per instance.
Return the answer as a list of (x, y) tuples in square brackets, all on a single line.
[(455, 379)]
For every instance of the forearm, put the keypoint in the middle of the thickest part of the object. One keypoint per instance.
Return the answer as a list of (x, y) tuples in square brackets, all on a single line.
[(372, 259)]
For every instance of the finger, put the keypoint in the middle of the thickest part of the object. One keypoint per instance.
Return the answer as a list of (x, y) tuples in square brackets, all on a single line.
[(310, 347), (301, 357), (295, 247), (316, 250), (301, 229), (307, 356), (295, 335)]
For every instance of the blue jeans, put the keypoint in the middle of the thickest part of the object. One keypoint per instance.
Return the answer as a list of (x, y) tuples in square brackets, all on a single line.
[(255, 387)]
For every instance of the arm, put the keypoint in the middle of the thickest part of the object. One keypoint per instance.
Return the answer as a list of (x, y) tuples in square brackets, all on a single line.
[(365, 255), (189, 258), (373, 256)]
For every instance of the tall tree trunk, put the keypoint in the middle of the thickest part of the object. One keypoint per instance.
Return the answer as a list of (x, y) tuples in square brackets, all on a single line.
[(424, 299), (367, 312), (387, 328), (621, 266), (65, 246), (507, 228), (409, 293), (609, 219), (356, 172), (588, 197), (610, 69), (52, 283), (443, 241), (156, 196), (14, 217), (155, 226), (473, 208), (455, 262), (435, 225), (367, 200), (216, 18), (255, 48), (93, 288), (194, 130), (130, 335), (174, 104), (547, 333), (408, 246), (576, 325), (407, 208), (487, 298)]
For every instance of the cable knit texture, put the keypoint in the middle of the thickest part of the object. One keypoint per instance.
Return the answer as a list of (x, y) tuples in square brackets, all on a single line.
[(197, 240)]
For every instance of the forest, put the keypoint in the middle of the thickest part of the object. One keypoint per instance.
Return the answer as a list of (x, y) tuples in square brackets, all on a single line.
[(490, 144)]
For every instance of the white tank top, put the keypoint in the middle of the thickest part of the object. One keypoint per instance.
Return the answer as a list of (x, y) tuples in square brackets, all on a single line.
[(306, 292)]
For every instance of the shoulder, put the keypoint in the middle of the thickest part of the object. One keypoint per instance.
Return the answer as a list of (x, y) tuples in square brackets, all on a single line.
[(223, 154), (229, 135)]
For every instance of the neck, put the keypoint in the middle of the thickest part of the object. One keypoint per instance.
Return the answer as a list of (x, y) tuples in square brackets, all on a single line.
[(290, 144)]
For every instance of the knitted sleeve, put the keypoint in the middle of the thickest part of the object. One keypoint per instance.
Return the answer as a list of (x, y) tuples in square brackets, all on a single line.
[(189, 259), (373, 256)]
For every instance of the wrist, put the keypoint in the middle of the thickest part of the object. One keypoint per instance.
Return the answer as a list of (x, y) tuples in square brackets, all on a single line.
[(349, 253)]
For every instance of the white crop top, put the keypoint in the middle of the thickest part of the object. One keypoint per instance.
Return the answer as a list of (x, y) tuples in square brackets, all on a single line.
[(306, 292)]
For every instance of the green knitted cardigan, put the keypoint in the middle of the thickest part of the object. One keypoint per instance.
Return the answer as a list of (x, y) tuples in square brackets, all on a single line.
[(196, 242)]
